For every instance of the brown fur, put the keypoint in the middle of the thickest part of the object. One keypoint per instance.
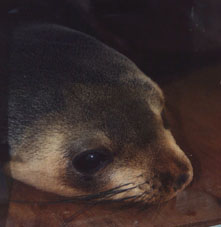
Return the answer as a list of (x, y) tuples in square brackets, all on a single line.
[(121, 112)]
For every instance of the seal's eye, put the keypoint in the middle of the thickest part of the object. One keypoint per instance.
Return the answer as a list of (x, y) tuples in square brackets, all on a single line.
[(91, 161)]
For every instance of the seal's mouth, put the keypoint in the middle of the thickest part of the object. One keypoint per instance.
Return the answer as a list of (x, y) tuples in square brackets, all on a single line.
[(149, 192), (133, 194)]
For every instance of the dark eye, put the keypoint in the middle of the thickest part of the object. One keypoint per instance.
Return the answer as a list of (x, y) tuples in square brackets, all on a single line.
[(165, 121), (91, 161)]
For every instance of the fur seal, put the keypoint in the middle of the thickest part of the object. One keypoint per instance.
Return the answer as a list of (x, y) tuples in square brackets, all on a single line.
[(85, 122)]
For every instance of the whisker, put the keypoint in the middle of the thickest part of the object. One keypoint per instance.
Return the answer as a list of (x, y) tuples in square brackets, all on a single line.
[(113, 192), (104, 194), (80, 197), (125, 198)]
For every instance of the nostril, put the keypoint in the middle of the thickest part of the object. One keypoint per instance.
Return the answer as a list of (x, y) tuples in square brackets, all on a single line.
[(181, 180)]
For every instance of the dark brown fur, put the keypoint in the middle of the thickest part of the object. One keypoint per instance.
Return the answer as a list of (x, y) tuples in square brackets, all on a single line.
[(70, 93)]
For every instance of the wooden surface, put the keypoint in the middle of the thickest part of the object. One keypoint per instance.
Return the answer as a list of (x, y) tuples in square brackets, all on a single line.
[(194, 111)]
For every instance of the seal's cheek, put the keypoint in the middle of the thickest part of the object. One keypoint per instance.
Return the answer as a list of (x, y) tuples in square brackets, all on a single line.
[(40, 162), (45, 174)]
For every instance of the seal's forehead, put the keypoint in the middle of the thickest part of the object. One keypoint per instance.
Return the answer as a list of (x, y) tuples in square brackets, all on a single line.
[(48, 62), (119, 111), (62, 50), (68, 55)]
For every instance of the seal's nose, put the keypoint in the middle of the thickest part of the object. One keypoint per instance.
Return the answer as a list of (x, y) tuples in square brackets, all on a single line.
[(180, 181)]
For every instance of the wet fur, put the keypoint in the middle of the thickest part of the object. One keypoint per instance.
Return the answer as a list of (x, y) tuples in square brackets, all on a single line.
[(69, 93)]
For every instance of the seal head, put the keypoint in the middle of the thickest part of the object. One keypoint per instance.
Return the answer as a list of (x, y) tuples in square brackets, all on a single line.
[(84, 121)]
